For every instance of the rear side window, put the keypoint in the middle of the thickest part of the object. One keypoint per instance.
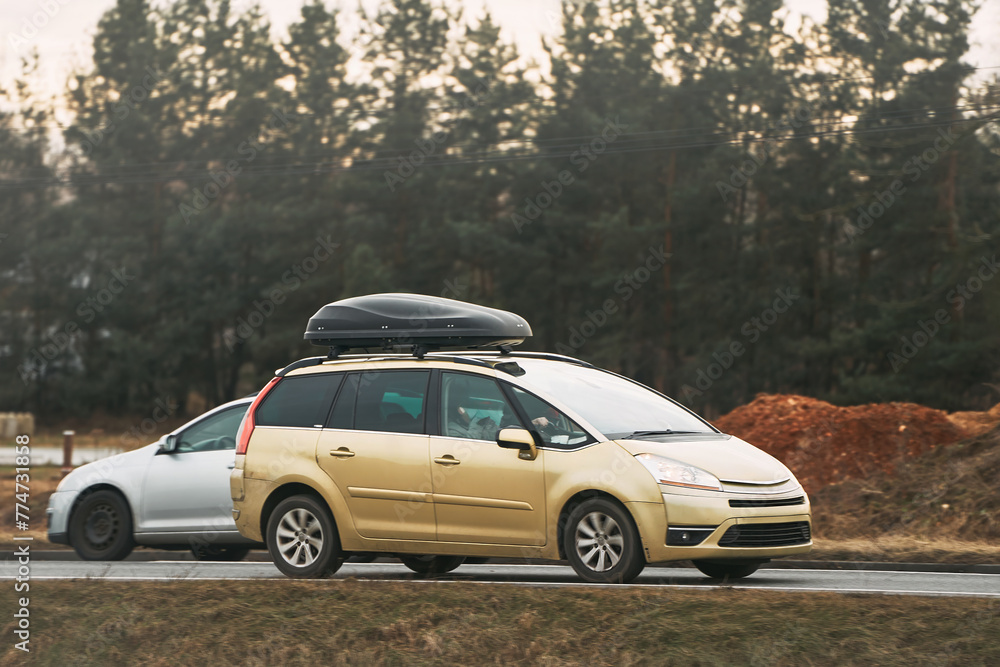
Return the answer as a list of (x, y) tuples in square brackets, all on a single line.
[(302, 401), (391, 401)]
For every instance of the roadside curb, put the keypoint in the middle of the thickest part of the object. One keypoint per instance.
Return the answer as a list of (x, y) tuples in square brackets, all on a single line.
[(261, 556), (876, 566)]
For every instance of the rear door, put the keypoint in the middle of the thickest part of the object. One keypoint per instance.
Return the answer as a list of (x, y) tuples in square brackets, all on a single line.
[(375, 449)]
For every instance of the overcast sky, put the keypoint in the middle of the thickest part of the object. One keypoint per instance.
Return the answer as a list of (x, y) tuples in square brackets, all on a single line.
[(65, 41)]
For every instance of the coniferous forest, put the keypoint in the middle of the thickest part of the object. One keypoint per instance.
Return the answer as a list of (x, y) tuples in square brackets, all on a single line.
[(686, 192)]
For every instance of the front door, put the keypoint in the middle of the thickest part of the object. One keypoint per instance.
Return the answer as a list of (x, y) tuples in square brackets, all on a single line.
[(187, 490), (482, 492)]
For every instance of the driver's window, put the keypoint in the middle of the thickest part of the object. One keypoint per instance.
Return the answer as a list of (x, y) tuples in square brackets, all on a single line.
[(555, 428), (474, 407), (212, 433)]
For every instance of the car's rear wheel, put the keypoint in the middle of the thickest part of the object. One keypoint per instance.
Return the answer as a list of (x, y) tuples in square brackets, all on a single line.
[(602, 543), (229, 554), (724, 570), (302, 539), (432, 564), (101, 527)]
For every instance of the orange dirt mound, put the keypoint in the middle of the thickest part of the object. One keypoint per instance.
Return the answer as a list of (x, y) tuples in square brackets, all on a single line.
[(822, 443)]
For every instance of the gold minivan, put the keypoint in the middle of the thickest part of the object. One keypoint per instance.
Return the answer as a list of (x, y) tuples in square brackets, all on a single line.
[(435, 457)]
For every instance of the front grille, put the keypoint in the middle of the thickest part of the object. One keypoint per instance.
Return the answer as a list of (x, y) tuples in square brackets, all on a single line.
[(779, 502), (766, 534)]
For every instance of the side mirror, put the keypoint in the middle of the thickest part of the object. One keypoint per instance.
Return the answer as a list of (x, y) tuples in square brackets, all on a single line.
[(518, 438), (169, 444)]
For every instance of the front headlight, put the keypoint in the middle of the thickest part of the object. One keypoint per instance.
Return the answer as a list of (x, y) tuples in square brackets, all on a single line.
[(674, 473)]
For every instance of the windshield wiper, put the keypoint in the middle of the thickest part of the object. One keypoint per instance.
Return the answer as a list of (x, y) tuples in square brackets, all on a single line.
[(638, 434)]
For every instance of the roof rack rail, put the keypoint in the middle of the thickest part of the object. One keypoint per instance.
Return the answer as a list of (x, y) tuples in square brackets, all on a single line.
[(316, 361), (547, 355), (301, 363)]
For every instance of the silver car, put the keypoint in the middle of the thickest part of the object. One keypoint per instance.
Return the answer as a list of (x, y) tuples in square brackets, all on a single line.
[(172, 494)]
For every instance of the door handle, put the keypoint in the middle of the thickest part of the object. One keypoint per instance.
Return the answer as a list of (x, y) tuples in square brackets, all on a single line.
[(447, 460), (231, 466), (342, 453)]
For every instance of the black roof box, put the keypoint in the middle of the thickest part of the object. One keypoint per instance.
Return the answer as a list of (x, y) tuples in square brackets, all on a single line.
[(423, 322)]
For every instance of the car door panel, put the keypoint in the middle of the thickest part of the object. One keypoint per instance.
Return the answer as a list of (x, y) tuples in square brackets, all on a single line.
[(188, 492), (491, 496), (386, 481)]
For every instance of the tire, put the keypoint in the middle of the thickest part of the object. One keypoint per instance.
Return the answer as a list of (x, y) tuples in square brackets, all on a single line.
[(602, 544), (100, 527), (303, 540), (229, 554), (727, 570), (429, 565)]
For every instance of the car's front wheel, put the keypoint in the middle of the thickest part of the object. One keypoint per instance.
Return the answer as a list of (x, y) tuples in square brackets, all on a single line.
[(727, 570), (302, 539), (101, 527), (602, 543), (432, 564)]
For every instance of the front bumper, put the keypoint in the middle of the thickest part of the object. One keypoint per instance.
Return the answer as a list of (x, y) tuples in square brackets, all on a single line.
[(710, 515), (57, 516)]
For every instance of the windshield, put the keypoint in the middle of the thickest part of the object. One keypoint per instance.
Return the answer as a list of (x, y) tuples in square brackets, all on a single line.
[(613, 405)]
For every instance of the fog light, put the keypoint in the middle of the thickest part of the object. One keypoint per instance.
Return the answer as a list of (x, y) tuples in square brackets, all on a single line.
[(688, 535)]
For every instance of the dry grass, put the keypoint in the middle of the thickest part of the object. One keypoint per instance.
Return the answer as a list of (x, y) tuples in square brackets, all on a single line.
[(42, 481), (367, 623), (948, 494), (899, 549)]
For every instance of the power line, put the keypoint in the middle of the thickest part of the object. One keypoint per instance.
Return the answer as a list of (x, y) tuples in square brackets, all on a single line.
[(176, 170), (485, 157), (804, 80)]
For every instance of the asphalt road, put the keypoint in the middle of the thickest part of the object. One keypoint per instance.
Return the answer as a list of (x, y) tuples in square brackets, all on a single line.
[(901, 583)]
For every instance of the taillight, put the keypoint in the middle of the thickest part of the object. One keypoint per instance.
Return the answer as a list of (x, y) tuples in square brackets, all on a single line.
[(246, 426)]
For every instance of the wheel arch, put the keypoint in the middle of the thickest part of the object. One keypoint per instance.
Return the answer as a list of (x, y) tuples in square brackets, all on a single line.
[(94, 488), (578, 498), (287, 491)]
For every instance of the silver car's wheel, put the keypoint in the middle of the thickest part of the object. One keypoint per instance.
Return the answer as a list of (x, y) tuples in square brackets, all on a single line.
[(100, 527), (599, 541), (302, 539), (602, 543)]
